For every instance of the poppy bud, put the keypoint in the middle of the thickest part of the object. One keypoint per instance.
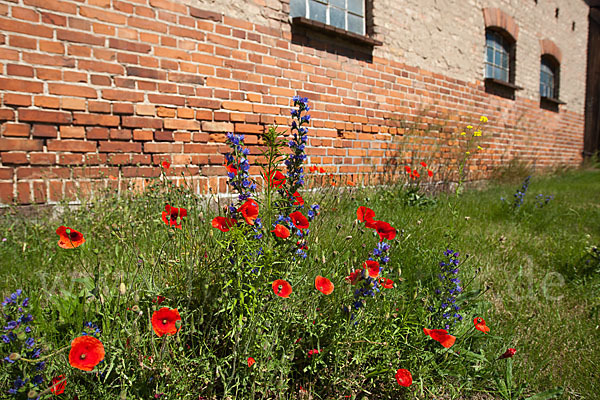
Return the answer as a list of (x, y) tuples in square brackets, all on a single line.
[(135, 308), (32, 394), (508, 354), (14, 356), (122, 289)]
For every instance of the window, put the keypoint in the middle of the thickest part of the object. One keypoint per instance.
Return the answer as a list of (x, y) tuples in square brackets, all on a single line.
[(549, 77), (498, 58), (344, 14)]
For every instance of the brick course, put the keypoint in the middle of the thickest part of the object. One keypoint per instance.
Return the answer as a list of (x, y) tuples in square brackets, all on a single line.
[(122, 85)]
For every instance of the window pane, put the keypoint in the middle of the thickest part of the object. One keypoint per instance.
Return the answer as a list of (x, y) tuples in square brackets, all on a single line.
[(356, 24), (337, 17), (490, 55), (318, 11), (338, 3), (356, 6), (505, 61), (489, 72), (298, 8)]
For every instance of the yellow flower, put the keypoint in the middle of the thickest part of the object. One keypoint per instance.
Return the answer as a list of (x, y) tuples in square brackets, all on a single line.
[(477, 133), (480, 148), (483, 118), (463, 133), (469, 126), (468, 152)]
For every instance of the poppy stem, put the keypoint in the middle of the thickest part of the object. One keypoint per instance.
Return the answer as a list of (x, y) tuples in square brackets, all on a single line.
[(36, 360)]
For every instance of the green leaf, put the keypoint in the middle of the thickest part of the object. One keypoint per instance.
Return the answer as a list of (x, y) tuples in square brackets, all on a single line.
[(548, 394)]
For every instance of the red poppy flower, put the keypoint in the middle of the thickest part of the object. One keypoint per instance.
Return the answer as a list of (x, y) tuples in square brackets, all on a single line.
[(322, 170), (159, 299), (372, 267), (404, 377), (249, 211), (365, 214), (313, 168), (350, 183), (164, 321), (299, 220), (166, 165), (442, 336), (508, 354), (223, 223), (430, 173), (277, 179), (281, 231), (112, 177), (86, 352), (354, 277), (313, 351), (386, 283), (423, 164), (230, 169), (299, 200), (407, 169), (282, 288), (302, 245), (169, 216), (323, 285), (69, 238), (385, 230), (416, 175), (251, 361), (58, 385), (480, 325)]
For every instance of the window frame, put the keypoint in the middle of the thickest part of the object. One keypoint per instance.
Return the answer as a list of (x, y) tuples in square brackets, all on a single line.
[(550, 62), (328, 7), (501, 41)]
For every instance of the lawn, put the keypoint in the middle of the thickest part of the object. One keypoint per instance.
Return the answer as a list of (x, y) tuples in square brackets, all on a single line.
[(525, 265)]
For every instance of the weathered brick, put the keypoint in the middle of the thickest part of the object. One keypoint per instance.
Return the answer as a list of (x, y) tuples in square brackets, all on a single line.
[(72, 90), (129, 46), (119, 147), (56, 117), (73, 146), (21, 145), (14, 158), (69, 132), (19, 70), (181, 124), (72, 103), (13, 99), (122, 95), (217, 126), (45, 131), (146, 72), (94, 119), (162, 147), (15, 129), (165, 99), (18, 85), (96, 133), (142, 122), (6, 192), (42, 158)]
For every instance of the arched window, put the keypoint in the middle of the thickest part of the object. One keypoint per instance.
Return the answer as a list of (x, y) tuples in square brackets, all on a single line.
[(498, 56), (549, 74)]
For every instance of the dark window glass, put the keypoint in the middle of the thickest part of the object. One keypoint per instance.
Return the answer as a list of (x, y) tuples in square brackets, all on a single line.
[(497, 56), (549, 77)]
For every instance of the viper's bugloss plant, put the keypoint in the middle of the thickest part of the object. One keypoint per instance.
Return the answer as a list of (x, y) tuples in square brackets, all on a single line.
[(445, 314)]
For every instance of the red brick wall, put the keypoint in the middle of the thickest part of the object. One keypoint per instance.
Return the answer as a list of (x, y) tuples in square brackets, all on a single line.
[(98, 88)]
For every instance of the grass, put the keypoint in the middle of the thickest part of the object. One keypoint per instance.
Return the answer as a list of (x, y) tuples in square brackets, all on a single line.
[(530, 271)]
